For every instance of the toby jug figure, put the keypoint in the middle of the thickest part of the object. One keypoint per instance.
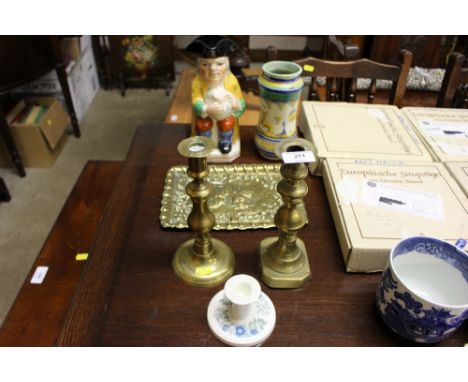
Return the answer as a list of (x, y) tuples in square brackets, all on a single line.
[(216, 97)]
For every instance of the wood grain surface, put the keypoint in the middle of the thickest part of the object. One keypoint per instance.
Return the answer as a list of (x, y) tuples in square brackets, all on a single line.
[(39, 310), (130, 296)]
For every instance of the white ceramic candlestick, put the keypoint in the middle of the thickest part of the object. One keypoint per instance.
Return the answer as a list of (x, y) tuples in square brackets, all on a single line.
[(241, 314), (242, 291)]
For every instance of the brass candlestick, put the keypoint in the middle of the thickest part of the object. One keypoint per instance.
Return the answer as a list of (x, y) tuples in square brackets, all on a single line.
[(283, 259), (202, 261)]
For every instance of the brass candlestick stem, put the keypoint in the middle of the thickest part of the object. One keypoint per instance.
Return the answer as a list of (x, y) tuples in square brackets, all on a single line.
[(202, 261), (283, 259)]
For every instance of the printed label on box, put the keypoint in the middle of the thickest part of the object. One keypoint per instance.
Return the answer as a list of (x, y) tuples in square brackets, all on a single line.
[(445, 129), (424, 204)]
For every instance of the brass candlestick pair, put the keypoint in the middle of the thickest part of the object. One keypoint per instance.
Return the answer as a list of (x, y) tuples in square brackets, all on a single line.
[(204, 261)]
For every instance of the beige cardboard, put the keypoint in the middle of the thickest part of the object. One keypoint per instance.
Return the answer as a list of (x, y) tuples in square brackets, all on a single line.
[(459, 171), (446, 147), (349, 130), (38, 144), (368, 232)]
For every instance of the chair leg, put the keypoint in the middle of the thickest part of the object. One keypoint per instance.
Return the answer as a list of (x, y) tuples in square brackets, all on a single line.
[(62, 76), (4, 194)]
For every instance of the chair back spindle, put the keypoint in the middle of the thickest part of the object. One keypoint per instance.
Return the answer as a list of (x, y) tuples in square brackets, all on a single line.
[(454, 89), (372, 90), (341, 83), (352, 90), (313, 95)]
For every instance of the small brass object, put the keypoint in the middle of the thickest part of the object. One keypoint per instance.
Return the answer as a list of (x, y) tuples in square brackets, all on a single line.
[(201, 261), (243, 196), (283, 259)]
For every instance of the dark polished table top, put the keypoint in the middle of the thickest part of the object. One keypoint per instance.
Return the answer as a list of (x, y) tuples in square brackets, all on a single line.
[(38, 313), (129, 295)]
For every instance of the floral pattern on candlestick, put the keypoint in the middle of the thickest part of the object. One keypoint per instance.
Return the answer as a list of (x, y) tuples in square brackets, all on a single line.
[(243, 329)]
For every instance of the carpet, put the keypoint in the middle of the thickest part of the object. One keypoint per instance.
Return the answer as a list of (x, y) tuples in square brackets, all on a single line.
[(107, 131)]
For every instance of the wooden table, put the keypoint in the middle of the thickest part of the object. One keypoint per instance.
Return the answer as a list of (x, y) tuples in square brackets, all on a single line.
[(129, 295), (39, 311)]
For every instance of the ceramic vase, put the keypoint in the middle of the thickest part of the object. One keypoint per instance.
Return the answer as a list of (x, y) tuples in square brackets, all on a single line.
[(280, 88)]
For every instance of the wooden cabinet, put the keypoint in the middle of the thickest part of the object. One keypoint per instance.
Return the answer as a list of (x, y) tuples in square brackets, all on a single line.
[(428, 51)]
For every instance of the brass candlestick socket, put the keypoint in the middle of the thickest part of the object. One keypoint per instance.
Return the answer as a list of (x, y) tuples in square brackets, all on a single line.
[(283, 259), (201, 261)]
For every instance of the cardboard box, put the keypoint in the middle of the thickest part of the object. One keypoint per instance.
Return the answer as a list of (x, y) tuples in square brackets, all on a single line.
[(82, 76), (376, 203), (444, 131), (39, 144), (459, 171), (351, 130)]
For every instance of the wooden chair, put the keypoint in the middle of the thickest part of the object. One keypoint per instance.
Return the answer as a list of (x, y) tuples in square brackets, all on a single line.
[(454, 90), (4, 193), (336, 50), (241, 61), (341, 77), (332, 48)]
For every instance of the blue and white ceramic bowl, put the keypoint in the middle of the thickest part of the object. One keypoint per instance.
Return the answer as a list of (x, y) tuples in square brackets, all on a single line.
[(423, 294)]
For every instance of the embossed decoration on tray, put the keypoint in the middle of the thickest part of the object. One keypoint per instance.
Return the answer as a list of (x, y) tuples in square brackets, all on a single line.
[(244, 196)]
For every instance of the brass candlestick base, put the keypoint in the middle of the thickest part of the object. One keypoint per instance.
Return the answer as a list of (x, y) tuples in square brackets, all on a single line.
[(299, 275), (283, 260), (204, 271), (201, 261)]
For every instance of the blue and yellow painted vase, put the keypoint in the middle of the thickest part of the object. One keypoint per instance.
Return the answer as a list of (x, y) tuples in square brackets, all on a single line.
[(280, 90)]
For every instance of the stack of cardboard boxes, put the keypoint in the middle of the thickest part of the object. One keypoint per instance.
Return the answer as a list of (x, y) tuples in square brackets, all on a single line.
[(389, 173)]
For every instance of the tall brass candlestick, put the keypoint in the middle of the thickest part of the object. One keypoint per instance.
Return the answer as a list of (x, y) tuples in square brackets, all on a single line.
[(202, 261), (283, 259)]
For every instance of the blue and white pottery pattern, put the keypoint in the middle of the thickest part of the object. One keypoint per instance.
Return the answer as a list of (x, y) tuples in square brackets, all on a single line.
[(411, 316), (244, 329), (280, 87)]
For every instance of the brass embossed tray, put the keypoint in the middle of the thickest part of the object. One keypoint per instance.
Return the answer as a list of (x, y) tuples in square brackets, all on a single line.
[(244, 196)]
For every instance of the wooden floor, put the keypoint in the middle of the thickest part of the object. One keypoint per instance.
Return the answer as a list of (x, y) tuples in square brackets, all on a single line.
[(40, 309)]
